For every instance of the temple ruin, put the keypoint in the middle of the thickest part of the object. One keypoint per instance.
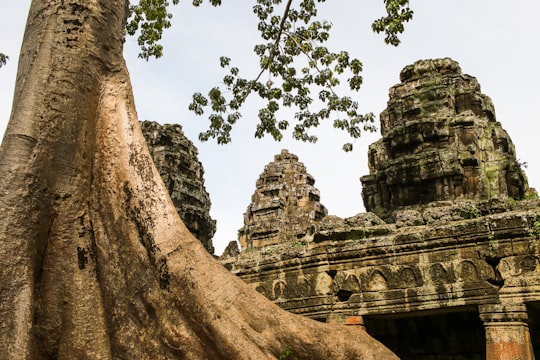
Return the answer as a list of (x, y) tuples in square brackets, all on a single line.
[(446, 262), (440, 141), (284, 206), (176, 159)]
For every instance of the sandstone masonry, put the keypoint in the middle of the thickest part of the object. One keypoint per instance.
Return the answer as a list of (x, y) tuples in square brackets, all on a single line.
[(176, 159), (440, 141), (284, 206), (452, 270)]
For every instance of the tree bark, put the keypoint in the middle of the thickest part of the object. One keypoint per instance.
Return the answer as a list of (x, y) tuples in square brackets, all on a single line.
[(94, 261)]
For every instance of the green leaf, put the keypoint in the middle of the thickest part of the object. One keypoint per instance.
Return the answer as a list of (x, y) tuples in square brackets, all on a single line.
[(3, 59), (224, 61), (294, 61), (398, 12)]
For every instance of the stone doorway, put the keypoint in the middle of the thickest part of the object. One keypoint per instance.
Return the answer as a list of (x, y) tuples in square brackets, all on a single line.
[(455, 335), (533, 312)]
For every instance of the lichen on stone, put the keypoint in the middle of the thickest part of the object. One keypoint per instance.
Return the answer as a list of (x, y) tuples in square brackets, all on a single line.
[(440, 141)]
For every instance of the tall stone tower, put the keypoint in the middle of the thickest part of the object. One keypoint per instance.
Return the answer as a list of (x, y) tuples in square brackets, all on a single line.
[(176, 159), (285, 204), (440, 141)]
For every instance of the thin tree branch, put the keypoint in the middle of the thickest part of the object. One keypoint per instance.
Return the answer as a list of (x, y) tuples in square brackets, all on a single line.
[(272, 51)]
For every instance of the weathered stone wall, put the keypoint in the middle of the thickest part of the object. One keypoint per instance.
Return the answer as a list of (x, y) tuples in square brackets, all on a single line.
[(284, 206), (454, 273), (440, 141), (484, 253), (176, 159), (380, 269)]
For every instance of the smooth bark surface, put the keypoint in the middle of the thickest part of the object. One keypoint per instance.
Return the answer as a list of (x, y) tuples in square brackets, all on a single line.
[(94, 261)]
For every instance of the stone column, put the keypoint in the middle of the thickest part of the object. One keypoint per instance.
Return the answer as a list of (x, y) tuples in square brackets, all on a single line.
[(507, 332)]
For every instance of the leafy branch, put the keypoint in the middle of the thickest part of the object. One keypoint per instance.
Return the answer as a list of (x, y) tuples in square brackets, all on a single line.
[(149, 18), (3, 59), (289, 38), (398, 12), (295, 60)]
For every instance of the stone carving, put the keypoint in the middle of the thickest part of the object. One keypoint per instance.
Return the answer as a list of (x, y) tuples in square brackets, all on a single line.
[(231, 250), (284, 206), (411, 271), (454, 272), (412, 256), (440, 141), (377, 282), (176, 159), (437, 274)]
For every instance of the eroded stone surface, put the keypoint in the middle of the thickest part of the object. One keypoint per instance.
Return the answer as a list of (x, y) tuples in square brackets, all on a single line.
[(466, 258), (454, 273), (176, 159), (231, 250), (284, 206), (440, 141), (391, 269)]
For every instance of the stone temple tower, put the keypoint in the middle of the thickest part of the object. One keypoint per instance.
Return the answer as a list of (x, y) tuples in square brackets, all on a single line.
[(177, 161), (440, 141), (285, 204)]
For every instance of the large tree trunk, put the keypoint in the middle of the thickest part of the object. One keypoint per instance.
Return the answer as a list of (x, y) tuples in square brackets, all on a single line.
[(94, 261)]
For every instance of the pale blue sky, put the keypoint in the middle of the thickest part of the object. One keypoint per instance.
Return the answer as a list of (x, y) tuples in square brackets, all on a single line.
[(497, 41)]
